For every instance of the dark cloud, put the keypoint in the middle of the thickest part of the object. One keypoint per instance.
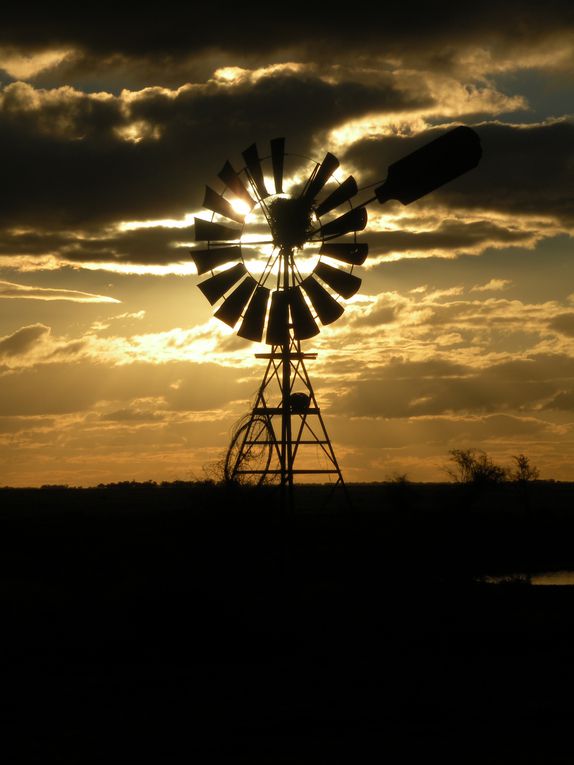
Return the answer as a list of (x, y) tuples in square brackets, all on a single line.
[(131, 415), (418, 432), (422, 370), (64, 163), (241, 29), (563, 323), (449, 235), (146, 245), (563, 401), (23, 340), (415, 398), (421, 389), (68, 350), (382, 314), (19, 424), (535, 368), (160, 245), (524, 170), (542, 274)]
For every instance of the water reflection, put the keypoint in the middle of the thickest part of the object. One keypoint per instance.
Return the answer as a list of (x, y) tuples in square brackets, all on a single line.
[(565, 577), (554, 577)]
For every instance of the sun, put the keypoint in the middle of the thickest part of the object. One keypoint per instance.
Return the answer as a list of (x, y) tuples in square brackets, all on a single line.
[(240, 206)]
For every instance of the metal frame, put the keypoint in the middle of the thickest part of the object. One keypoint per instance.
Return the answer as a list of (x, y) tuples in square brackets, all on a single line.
[(290, 431)]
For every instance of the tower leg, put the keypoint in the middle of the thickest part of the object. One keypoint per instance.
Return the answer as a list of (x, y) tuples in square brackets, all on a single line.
[(286, 435)]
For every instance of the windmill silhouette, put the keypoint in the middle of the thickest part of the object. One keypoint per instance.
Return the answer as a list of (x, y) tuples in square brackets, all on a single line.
[(281, 252)]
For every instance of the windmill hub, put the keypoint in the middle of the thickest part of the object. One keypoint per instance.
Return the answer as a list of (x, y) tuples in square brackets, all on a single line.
[(291, 221)]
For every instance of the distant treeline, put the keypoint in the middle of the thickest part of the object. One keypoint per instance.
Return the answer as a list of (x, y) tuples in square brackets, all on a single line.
[(443, 529)]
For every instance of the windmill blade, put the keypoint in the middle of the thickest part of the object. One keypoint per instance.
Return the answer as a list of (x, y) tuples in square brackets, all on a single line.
[(341, 282), (324, 172), (216, 203), (325, 305), (253, 163), (341, 194), (216, 286), (304, 325), (234, 184), (207, 231), (277, 160), (232, 307), (207, 260), (254, 319), (354, 220), (278, 324), (347, 252), (431, 166)]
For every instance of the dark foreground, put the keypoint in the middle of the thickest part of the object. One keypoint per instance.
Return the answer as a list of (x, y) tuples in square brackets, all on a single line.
[(197, 623)]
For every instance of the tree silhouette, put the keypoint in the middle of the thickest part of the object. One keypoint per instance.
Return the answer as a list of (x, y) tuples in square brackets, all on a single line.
[(523, 471), (474, 466)]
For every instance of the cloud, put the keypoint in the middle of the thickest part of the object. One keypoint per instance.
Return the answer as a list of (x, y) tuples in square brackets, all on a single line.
[(391, 28), (151, 245), (494, 285), (132, 415), (18, 424), (525, 169), (563, 323), (23, 340), (563, 401), (403, 389), (22, 66), (98, 159), (451, 237), (35, 344), (158, 244), (22, 291), (438, 432), (87, 166)]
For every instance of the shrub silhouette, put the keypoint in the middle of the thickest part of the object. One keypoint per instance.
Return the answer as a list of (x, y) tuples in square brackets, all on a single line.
[(523, 471), (475, 466)]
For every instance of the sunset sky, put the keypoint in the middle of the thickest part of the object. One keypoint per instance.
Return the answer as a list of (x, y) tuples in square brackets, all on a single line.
[(462, 335)]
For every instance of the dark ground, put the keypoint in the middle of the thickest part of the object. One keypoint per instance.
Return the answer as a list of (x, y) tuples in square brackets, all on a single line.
[(193, 623)]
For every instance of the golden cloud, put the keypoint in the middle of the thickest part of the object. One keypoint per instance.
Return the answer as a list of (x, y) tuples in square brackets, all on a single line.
[(11, 290)]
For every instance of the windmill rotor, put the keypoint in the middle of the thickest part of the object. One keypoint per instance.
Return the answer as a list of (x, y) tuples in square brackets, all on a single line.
[(270, 255)]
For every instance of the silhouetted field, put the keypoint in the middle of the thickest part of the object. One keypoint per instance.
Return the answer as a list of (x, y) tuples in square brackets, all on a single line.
[(202, 619)]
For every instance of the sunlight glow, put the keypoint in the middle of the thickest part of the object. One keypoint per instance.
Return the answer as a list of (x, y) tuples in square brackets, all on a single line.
[(375, 126), (240, 206), (138, 269), (185, 222), (137, 131), (235, 75)]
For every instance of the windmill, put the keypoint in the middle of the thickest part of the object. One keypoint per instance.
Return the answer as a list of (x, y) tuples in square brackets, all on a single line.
[(281, 252)]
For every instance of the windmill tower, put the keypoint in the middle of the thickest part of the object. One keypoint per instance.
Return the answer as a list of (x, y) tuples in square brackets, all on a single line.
[(281, 252)]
